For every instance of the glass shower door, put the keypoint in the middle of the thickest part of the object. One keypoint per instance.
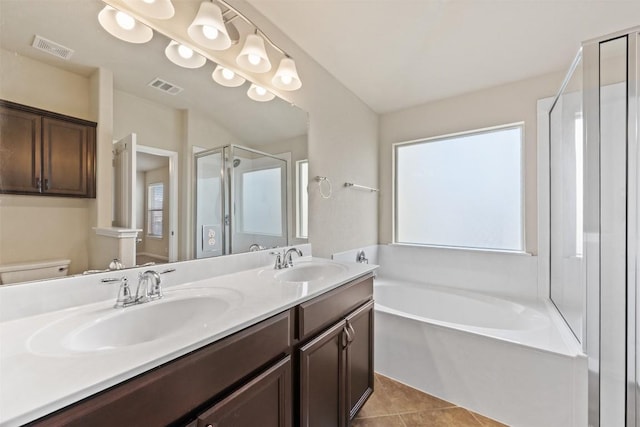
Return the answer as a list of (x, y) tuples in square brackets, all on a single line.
[(566, 160), (258, 200), (209, 204)]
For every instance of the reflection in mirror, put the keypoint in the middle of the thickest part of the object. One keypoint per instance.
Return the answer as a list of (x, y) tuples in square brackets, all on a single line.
[(240, 202), (107, 80)]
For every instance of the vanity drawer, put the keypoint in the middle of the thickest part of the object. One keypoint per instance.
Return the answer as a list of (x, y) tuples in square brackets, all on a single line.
[(326, 309), (172, 391)]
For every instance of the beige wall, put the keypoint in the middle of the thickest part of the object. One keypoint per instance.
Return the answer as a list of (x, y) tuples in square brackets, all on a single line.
[(155, 125), (513, 102), (343, 146), (34, 228), (39, 85)]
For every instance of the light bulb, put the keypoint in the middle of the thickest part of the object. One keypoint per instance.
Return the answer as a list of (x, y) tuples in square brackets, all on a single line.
[(185, 52), (254, 59), (210, 32), (125, 21), (228, 74), (149, 1), (260, 90), (286, 79)]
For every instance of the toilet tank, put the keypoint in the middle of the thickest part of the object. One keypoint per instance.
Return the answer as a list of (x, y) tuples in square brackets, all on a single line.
[(34, 270)]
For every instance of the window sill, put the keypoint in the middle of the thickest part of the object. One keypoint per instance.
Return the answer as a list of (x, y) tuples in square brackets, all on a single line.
[(463, 249)]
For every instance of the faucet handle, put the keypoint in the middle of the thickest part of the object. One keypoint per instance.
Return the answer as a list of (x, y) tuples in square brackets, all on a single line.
[(124, 294), (278, 264)]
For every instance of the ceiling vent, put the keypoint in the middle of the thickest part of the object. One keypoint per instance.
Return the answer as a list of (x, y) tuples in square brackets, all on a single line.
[(165, 86), (52, 48)]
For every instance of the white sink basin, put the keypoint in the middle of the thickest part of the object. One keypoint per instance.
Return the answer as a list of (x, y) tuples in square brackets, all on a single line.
[(310, 271), (108, 329)]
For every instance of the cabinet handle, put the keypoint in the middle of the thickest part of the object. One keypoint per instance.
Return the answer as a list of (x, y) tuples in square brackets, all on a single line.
[(352, 333), (46, 184), (39, 184), (345, 337)]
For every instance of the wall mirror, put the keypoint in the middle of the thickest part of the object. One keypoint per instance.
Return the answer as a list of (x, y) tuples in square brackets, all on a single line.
[(170, 128)]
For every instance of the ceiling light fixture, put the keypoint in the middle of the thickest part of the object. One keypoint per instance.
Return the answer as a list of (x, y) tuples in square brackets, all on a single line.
[(211, 29), (286, 77), (124, 26), (226, 77), (253, 56), (184, 56), (159, 9), (258, 93), (208, 29)]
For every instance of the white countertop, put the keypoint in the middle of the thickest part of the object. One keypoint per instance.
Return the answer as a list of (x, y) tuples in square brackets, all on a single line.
[(34, 383)]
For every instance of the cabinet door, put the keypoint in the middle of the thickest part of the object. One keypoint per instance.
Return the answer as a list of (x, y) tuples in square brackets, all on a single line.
[(359, 358), (20, 148), (67, 158), (322, 364), (264, 401)]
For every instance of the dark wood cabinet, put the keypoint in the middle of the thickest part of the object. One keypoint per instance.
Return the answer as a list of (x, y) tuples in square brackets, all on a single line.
[(322, 379), (359, 354), (181, 390), (265, 401), (336, 367), (45, 153)]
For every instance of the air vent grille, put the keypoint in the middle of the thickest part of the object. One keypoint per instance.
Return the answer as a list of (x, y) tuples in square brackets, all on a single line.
[(165, 86), (51, 47)]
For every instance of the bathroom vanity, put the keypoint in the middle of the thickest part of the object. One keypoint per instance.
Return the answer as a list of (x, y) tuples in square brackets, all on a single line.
[(286, 353)]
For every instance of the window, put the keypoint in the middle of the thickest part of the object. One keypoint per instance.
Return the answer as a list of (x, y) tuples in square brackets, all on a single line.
[(155, 199), (302, 208), (262, 202), (463, 190)]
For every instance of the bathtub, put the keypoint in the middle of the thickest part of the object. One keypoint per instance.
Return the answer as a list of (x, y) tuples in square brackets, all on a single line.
[(512, 361)]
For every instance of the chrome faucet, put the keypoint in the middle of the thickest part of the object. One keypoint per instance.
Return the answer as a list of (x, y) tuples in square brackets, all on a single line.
[(278, 264), (287, 261), (283, 260), (148, 289)]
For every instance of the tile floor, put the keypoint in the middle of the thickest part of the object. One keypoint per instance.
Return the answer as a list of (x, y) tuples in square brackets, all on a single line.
[(397, 405)]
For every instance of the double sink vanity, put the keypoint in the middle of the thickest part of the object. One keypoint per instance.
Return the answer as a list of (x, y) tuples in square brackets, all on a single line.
[(232, 341)]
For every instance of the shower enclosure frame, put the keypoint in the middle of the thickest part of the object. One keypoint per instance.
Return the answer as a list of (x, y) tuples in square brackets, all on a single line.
[(227, 185), (604, 236)]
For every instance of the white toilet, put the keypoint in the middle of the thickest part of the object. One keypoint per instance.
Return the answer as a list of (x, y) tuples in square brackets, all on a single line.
[(34, 270)]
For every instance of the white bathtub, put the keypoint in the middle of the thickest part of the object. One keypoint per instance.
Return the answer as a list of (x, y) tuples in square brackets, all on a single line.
[(513, 362)]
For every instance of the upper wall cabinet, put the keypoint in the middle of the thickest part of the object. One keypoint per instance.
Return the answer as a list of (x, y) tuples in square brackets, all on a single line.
[(46, 153)]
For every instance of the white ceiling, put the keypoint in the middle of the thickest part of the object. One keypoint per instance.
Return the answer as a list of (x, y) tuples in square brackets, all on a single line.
[(395, 54)]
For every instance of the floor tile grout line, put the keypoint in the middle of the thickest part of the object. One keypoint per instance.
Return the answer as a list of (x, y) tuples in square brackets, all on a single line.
[(473, 415), (381, 387)]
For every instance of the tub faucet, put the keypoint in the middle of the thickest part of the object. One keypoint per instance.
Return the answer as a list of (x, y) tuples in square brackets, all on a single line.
[(287, 261)]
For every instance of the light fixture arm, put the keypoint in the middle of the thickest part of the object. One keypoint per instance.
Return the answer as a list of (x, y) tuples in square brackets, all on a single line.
[(250, 22)]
